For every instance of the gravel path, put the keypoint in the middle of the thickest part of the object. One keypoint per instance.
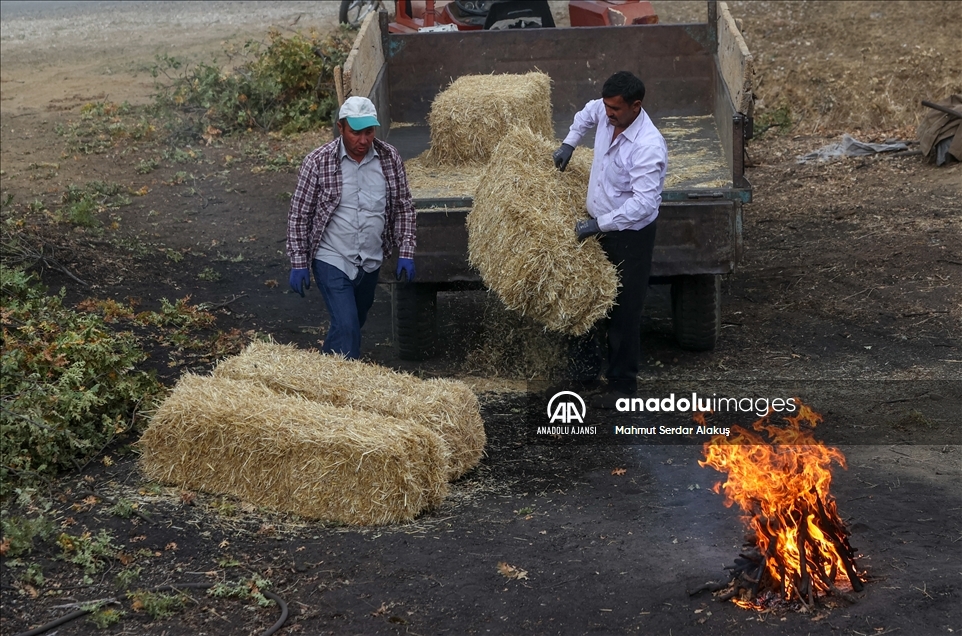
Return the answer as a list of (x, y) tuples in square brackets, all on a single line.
[(55, 51)]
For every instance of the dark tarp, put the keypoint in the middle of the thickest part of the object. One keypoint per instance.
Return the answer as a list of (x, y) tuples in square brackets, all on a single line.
[(939, 132)]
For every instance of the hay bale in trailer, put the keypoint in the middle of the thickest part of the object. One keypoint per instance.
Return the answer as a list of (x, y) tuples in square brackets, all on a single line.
[(473, 114), (447, 407), (292, 454), (521, 236)]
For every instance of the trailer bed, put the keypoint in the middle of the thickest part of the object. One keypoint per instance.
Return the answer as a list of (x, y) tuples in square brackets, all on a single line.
[(696, 160)]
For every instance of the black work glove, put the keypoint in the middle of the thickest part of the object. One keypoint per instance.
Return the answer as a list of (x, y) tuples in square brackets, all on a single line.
[(562, 156), (586, 228)]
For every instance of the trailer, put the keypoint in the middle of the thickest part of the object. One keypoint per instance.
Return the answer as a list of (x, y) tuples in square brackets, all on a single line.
[(699, 94)]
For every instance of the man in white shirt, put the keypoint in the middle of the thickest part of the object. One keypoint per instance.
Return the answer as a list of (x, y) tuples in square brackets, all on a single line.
[(624, 194)]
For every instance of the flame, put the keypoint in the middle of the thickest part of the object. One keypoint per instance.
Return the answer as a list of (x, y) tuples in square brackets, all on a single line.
[(780, 477)]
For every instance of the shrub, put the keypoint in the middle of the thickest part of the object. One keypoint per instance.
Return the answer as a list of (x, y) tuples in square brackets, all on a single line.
[(20, 532), (88, 551), (68, 382), (80, 204), (156, 604), (287, 85)]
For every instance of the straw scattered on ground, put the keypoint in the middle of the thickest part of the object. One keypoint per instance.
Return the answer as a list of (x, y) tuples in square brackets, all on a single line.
[(292, 454), (447, 407), (473, 114), (521, 236), (515, 347)]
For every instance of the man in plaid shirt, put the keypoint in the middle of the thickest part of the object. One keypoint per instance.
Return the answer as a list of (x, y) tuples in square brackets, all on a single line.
[(352, 206)]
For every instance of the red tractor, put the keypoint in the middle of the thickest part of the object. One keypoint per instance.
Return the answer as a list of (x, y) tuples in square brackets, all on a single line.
[(412, 16)]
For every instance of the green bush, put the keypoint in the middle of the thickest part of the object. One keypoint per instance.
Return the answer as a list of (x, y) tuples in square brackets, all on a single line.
[(68, 382), (287, 85), (88, 551), (157, 605), (20, 532), (779, 118), (81, 204), (104, 617)]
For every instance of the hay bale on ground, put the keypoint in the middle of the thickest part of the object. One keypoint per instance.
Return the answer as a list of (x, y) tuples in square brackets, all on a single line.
[(470, 117), (292, 454), (447, 407), (521, 236)]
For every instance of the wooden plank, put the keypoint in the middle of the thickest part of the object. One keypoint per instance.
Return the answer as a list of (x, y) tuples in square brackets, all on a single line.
[(364, 62), (736, 62)]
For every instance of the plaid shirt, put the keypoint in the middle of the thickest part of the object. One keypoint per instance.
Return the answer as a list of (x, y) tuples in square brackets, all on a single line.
[(318, 194)]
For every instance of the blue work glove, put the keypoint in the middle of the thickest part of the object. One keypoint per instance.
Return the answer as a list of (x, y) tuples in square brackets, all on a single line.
[(405, 265), (562, 156), (300, 280), (586, 228)]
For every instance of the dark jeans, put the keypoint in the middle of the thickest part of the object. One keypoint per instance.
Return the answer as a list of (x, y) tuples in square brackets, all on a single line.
[(348, 302), (630, 251)]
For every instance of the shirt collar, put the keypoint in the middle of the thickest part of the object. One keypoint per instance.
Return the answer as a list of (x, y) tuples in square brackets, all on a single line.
[(634, 130)]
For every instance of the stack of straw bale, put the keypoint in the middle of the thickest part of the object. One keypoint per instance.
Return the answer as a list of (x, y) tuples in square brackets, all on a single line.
[(448, 408), (521, 236), (316, 435), (470, 117), (289, 453)]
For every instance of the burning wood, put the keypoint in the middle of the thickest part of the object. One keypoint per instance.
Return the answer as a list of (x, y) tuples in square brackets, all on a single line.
[(797, 547)]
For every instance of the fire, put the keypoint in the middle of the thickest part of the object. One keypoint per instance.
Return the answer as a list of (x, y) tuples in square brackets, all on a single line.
[(780, 477)]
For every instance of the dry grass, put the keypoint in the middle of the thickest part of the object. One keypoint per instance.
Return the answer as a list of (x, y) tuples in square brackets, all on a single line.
[(515, 347), (847, 66), (447, 407), (473, 114), (521, 236), (293, 454), (430, 181)]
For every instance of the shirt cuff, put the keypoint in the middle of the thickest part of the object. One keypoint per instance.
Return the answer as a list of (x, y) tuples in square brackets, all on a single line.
[(606, 223)]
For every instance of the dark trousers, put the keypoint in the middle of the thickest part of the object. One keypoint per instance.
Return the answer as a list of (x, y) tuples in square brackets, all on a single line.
[(348, 302), (630, 252)]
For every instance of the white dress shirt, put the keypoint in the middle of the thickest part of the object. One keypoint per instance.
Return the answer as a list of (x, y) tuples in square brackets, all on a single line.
[(627, 176)]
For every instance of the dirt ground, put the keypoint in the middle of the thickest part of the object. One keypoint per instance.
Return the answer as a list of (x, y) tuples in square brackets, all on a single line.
[(849, 297)]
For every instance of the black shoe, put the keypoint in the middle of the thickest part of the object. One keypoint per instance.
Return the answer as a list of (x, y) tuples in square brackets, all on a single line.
[(608, 400)]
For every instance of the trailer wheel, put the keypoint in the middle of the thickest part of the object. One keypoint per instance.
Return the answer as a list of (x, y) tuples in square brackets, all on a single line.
[(415, 319), (696, 311)]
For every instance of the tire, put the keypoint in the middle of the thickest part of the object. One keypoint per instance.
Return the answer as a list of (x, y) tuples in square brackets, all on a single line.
[(415, 320), (353, 12), (696, 311)]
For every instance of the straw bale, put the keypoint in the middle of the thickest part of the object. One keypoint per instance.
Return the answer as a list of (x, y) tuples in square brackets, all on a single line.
[(521, 236), (446, 407), (473, 114), (292, 454)]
